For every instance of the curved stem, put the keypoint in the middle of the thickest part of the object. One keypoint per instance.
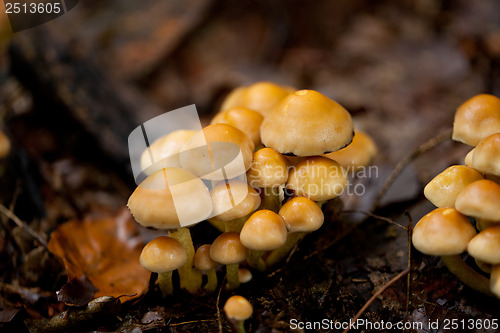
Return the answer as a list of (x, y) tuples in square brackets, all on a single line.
[(277, 255), (190, 278), (212, 281), (466, 274), (165, 282), (270, 199), (233, 280), (255, 260)]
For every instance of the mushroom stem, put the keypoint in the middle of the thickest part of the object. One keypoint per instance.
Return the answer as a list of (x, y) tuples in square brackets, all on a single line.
[(165, 282), (233, 280), (190, 278), (237, 326), (235, 225), (270, 200), (212, 281), (255, 260), (466, 274), (219, 225), (277, 255)]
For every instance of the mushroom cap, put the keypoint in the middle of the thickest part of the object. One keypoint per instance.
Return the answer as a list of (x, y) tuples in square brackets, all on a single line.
[(260, 96), (215, 148), (263, 231), (477, 118), (170, 198), (244, 275), (4, 145), (163, 254), (269, 169), (233, 200), (227, 249), (307, 123), (246, 120), (317, 178), (442, 232), (302, 215), (495, 280), (202, 260), (485, 246), (238, 308), (486, 156), (468, 158), (480, 199), (358, 154), (444, 189), (164, 151)]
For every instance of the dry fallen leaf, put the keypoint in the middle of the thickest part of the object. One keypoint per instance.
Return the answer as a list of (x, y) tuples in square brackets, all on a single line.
[(106, 251)]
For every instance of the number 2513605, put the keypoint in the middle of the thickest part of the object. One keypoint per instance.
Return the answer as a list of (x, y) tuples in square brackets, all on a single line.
[(33, 8)]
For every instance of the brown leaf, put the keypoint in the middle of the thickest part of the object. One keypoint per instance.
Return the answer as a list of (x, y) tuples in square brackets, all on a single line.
[(105, 250), (77, 292)]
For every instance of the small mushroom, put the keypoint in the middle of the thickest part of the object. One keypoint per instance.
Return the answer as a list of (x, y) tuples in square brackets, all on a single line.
[(477, 118), (244, 275), (444, 189), (307, 123), (233, 201), (246, 120), (486, 156), (357, 155), (480, 199), (237, 310), (228, 250), (163, 255), (485, 246), (301, 216), (263, 231), (445, 232), (203, 262), (317, 178)]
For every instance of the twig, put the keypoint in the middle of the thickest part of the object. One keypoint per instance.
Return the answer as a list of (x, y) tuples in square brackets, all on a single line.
[(193, 321), (408, 277), (4, 210), (219, 319), (377, 294), (377, 217), (423, 148)]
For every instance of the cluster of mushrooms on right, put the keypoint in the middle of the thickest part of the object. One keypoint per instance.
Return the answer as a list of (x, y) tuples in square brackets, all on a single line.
[(467, 197)]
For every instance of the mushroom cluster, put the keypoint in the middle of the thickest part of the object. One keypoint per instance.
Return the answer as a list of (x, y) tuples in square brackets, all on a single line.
[(468, 199), (259, 173)]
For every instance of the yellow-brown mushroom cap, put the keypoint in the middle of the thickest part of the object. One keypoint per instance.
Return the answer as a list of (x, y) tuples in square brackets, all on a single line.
[(444, 189), (202, 259), (468, 158), (476, 119), (317, 178), (307, 123), (486, 156), (170, 198), (495, 280), (164, 151), (227, 249), (480, 199), (269, 169), (485, 246), (163, 254), (215, 148), (238, 308), (233, 200), (358, 154), (260, 96), (443, 232), (263, 231), (246, 120), (302, 215)]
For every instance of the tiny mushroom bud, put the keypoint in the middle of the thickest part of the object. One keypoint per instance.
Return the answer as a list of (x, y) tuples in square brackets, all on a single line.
[(358, 154), (476, 119), (485, 246), (217, 152), (480, 199), (263, 231), (307, 123), (317, 178), (301, 215), (203, 262), (445, 232), (233, 201), (486, 157), (244, 275), (163, 255), (444, 189), (228, 250), (238, 309), (246, 120)]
